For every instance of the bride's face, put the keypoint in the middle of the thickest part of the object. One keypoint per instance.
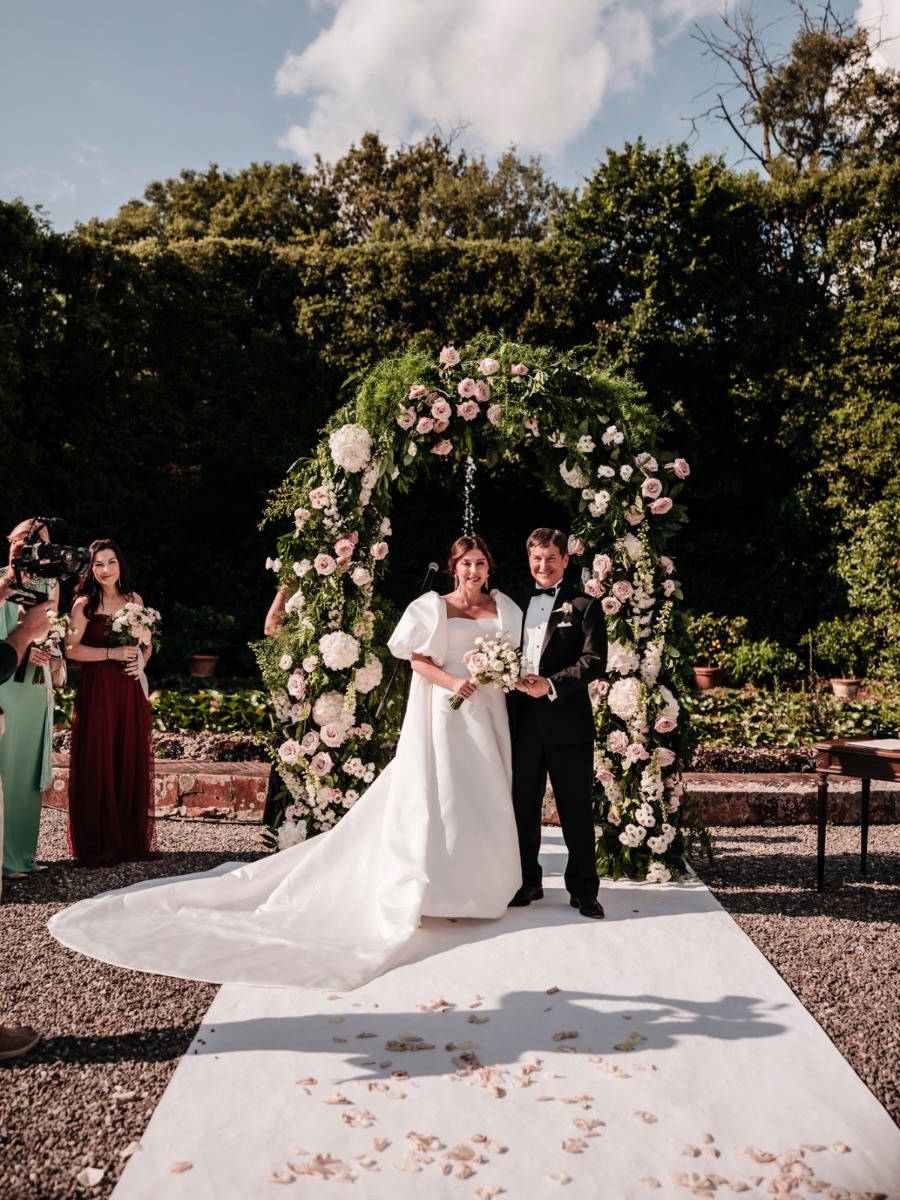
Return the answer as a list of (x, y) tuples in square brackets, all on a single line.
[(472, 570)]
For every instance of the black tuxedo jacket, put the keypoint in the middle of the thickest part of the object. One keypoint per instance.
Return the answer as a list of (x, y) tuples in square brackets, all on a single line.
[(573, 655)]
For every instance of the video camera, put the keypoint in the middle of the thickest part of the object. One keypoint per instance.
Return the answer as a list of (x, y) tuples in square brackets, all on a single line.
[(44, 560)]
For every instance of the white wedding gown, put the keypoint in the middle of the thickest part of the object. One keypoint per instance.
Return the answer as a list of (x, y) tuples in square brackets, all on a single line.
[(433, 836)]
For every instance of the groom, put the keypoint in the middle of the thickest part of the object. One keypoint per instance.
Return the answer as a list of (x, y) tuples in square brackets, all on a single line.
[(564, 648)]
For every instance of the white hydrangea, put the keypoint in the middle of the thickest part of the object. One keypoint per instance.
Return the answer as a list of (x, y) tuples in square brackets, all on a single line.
[(331, 709), (291, 833), (574, 476), (624, 698), (622, 658), (339, 650), (631, 545), (369, 676), (351, 447)]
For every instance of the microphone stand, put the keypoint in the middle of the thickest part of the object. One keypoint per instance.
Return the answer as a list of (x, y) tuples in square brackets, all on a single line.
[(432, 569)]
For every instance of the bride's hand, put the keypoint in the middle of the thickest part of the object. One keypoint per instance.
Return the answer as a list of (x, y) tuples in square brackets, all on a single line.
[(465, 688)]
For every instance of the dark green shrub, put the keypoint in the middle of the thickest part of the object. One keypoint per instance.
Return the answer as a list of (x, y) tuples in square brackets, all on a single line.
[(763, 663)]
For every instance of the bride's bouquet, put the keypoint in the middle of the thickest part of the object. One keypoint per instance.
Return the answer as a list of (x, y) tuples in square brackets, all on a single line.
[(135, 625), (491, 662)]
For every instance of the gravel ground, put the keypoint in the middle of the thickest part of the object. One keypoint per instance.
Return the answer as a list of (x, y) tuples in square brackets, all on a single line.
[(112, 1038)]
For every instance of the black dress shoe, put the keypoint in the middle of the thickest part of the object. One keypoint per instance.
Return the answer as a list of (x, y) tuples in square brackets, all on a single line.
[(525, 895), (588, 906)]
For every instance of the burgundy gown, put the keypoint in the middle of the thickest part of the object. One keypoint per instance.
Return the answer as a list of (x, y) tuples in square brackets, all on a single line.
[(111, 762)]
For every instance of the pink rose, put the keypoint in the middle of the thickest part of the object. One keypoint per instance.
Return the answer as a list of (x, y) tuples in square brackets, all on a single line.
[(289, 751), (326, 796), (597, 689), (309, 743), (518, 369), (666, 563), (425, 425), (622, 589), (443, 447), (407, 419), (494, 413), (324, 564), (440, 426), (669, 586), (575, 545), (379, 550), (318, 497), (651, 488), (664, 756), (301, 516), (613, 816), (617, 741), (417, 390), (361, 577), (636, 753), (320, 764), (441, 410), (333, 735), (476, 661), (663, 724), (610, 605), (680, 467), (488, 366), (466, 387), (297, 714), (343, 547), (531, 424), (468, 410), (604, 776), (482, 391), (658, 507), (594, 588), (310, 662), (634, 516), (296, 685), (674, 803), (603, 564), (449, 357)]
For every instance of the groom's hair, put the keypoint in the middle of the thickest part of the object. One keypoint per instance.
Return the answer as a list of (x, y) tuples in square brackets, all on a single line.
[(544, 537)]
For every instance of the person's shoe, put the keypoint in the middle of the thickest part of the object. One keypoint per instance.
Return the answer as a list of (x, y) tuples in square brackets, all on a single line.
[(588, 906), (16, 1040), (525, 895)]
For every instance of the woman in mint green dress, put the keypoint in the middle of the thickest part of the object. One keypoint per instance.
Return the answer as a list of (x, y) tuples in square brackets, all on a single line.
[(26, 748)]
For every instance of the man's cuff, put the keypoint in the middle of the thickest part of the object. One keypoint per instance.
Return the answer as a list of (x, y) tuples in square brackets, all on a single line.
[(551, 694)]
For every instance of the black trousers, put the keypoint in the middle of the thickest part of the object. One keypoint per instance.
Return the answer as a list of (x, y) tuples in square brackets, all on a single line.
[(570, 768)]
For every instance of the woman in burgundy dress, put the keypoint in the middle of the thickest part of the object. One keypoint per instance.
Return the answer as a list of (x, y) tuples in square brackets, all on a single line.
[(111, 763)]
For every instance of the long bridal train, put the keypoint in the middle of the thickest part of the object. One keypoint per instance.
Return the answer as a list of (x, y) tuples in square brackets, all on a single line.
[(433, 836)]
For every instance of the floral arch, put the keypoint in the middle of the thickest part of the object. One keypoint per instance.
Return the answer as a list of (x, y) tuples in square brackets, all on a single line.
[(596, 444)]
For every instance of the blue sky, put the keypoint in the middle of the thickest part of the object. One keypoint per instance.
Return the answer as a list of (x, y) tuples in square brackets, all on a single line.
[(99, 97)]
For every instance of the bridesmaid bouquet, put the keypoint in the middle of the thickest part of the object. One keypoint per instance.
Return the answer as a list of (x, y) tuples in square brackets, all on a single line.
[(493, 663), (135, 625), (52, 643)]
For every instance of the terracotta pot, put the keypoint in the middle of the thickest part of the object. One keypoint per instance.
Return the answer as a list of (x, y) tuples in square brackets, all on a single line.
[(845, 689), (708, 677), (202, 666)]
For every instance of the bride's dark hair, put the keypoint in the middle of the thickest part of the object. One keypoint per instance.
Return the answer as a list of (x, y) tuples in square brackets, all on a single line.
[(462, 546), (88, 586)]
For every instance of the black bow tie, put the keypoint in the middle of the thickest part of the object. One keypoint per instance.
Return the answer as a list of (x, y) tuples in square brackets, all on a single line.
[(545, 591)]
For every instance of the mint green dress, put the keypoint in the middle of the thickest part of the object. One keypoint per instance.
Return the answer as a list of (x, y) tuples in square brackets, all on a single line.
[(25, 756)]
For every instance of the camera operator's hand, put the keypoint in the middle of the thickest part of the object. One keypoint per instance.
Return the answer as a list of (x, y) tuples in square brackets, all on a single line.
[(33, 625)]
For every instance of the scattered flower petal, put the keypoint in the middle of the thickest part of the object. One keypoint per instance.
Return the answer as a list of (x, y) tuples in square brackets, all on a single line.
[(179, 1168), (91, 1176), (647, 1117), (282, 1177)]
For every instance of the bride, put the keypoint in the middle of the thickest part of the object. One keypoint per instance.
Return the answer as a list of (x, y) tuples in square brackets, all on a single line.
[(434, 836)]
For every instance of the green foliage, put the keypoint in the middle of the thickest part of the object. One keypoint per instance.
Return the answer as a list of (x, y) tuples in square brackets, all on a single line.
[(764, 663), (790, 719), (190, 709), (715, 638), (843, 646)]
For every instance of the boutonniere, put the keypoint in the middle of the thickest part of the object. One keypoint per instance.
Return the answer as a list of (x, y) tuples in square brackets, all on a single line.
[(565, 609)]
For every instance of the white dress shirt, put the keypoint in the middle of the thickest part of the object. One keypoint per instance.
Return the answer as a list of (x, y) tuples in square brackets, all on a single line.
[(536, 618)]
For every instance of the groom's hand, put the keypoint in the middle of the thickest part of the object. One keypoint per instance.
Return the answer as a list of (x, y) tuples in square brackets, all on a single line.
[(533, 685)]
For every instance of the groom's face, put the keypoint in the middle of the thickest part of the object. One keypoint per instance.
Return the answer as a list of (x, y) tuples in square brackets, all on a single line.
[(547, 565)]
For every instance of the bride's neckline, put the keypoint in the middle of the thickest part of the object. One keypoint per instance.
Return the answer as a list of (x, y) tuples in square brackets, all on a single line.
[(449, 618)]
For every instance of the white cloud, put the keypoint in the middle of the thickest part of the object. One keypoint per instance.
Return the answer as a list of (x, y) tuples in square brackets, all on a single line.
[(882, 18), (525, 71), (38, 185)]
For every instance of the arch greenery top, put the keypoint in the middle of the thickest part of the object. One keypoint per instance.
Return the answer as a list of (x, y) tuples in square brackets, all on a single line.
[(594, 442)]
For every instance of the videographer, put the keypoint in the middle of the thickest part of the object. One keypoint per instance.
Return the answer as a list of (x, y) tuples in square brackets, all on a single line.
[(17, 1039), (25, 753)]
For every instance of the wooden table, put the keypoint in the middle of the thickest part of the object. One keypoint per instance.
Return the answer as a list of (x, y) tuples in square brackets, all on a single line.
[(852, 758)]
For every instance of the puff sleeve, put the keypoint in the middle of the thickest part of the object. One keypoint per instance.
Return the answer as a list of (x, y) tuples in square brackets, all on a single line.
[(422, 630)]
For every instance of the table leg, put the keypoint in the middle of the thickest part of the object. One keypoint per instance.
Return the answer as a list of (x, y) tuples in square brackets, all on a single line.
[(822, 808), (864, 830)]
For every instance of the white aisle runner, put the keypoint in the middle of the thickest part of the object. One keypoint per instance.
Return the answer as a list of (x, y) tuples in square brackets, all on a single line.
[(656, 1052)]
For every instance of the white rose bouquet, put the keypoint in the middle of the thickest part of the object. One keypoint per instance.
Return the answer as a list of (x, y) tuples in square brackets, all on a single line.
[(52, 643), (135, 625), (491, 662)]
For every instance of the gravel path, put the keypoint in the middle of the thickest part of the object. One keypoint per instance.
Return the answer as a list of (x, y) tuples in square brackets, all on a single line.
[(112, 1038)]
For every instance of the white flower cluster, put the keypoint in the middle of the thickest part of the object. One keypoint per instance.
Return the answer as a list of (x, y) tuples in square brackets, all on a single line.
[(658, 873), (291, 832), (351, 447), (331, 708), (368, 481), (368, 677), (339, 650), (651, 663), (663, 840), (357, 769), (622, 658)]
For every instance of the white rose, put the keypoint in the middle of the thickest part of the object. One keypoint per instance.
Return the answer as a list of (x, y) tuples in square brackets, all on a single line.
[(285, 662)]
